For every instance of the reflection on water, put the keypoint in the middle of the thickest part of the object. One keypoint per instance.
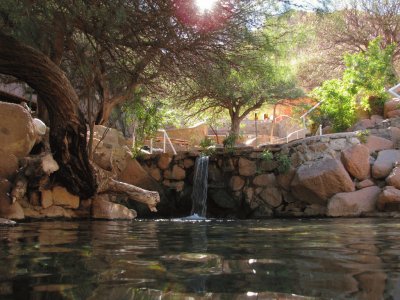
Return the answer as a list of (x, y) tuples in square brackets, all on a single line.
[(273, 259)]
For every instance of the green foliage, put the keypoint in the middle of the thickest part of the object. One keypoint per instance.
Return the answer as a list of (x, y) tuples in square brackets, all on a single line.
[(230, 141), (364, 79), (283, 163), (267, 155), (207, 146), (338, 106), (146, 116), (362, 135)]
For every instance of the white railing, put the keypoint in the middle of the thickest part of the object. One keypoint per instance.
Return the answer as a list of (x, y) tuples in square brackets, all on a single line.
[(303, 117), (165, 140), (290, 136)]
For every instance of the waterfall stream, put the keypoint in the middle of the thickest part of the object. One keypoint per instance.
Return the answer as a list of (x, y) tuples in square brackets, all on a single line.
[(199, 194)]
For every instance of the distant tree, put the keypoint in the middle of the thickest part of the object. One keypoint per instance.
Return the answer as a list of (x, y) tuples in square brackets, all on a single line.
[(240, 84)]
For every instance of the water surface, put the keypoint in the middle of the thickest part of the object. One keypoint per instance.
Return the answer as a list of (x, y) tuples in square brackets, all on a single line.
[(270, 259)]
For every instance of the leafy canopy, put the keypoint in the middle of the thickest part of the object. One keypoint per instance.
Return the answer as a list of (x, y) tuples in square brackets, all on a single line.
[(363, 84)]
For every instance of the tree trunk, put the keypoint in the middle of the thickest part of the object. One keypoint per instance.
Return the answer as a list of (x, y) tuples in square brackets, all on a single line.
[(68, 129), (235, 124)]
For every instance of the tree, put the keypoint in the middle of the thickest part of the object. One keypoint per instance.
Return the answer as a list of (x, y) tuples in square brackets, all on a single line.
[(68, 130), (347, 27), (363, 84), (240, 84)]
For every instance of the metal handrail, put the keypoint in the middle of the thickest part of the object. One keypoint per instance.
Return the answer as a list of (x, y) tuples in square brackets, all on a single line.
[(165, 139), (286, 139)]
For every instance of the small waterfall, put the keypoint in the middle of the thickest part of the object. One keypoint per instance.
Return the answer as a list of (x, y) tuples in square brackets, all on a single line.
[(199, 194)]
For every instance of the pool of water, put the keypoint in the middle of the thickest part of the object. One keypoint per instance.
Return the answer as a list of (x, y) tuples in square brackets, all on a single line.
[(269, 259)]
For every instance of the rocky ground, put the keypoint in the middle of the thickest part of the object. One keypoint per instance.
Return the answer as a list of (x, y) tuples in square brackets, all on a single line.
[(345, 174)]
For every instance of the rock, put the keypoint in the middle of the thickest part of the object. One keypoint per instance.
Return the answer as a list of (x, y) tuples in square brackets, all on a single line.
[(222, 199), (247, 167), (394, 113), (394, 178), (10, 210), (389, 199), (214, 174), (363, 124), (164, 160), (5, 186), (8, 165), (391, 105), (102, 209), (354, 203), (111, 157), (385, 162), (272, 196), (109, 135), (236, 183), (356, 161), (6, 222), (376, 119), (34, 198), (47, 198), (155, 173), (284, 180), (188, 163), (395, 136), (364, 184), (265, 180), (17, 131), (315, 210), (177, 173), (177, 185), (54, 211), (62, 197), (269, 166), (376, 143), (317, 182), (135, 174), (248, 194)]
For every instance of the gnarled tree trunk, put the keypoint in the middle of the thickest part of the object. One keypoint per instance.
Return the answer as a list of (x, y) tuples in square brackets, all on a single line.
[(68, 129)]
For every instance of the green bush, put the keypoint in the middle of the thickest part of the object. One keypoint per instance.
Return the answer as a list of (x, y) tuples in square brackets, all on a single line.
[(267, 155), (364, 82), (283, 163)]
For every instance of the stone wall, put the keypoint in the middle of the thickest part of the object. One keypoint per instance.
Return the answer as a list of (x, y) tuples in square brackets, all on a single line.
[(330, 175)]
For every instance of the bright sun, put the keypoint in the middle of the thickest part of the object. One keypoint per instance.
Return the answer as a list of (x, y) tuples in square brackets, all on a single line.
[(205, 5)]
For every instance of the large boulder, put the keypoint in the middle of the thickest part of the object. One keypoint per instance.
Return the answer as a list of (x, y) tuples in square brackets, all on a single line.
[(385, 162), (356, 161), (353, 203), (110, 151), (317, 182), (389, 199), (17, 131), (135, 174), (103, 209), (376, 143)]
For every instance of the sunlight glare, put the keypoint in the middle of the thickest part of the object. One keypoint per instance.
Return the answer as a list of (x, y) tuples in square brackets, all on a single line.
[(205, 5)]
